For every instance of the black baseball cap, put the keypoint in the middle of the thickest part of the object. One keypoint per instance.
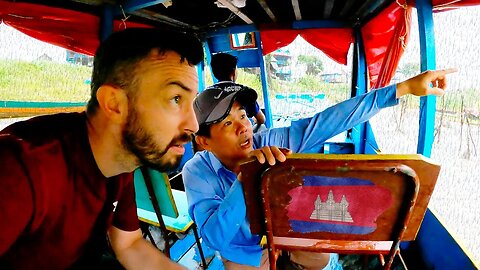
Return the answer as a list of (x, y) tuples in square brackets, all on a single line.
[(214, 103)]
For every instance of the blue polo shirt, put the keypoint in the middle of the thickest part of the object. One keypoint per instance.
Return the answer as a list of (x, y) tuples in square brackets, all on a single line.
[(215, 196)]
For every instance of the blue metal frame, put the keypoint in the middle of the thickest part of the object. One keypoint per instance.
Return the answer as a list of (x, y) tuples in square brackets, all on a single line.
[(319, 24), (427, 55), (201, 76), (106, 22), (263, 74), (437, 247), (294, 25), (359, 86), (133, 5)]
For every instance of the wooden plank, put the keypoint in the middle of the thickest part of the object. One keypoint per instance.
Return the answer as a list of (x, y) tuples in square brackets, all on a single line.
[(161, 18), (346, 247), (236, 11), (267, 9), (296, 10), (346, 9), (327, 9), (24, 112)]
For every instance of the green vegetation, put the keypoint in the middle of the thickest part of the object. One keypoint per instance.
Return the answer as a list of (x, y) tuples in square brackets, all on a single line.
[(314, 64), (43, 81), (306, 84), (49, 81)]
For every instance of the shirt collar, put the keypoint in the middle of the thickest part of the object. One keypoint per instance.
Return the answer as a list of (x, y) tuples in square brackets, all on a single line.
[(216, 164)]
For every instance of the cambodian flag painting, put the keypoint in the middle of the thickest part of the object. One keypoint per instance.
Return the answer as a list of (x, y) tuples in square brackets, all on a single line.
[(336, 205)]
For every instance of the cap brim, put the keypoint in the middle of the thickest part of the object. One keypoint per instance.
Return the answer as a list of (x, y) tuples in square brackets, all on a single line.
[(246, 97)]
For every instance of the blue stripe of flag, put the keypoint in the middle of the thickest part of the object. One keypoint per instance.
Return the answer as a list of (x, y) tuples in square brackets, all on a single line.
[(313, 180), (309, 226)]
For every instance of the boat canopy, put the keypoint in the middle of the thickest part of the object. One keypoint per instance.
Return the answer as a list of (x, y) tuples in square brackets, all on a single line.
[(330, 26)]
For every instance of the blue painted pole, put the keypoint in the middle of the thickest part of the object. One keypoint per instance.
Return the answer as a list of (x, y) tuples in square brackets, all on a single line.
[(237, 41), (106, 22), (359, 87), (427, 61), (263, 78), (134, 5), (201, 76)]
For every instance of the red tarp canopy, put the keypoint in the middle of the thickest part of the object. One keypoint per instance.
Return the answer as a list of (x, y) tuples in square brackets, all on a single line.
[(384, 38), (69, 29), (333, 42)]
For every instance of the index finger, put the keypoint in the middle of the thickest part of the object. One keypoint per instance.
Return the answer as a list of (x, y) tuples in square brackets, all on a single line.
[(442, 72), (279, 154)]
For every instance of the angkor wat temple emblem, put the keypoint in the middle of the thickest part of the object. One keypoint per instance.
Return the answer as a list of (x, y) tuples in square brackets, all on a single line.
[(331, 210)]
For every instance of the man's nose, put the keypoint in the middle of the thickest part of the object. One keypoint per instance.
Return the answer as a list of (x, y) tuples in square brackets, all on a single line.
[(242, 127), (191, 123)]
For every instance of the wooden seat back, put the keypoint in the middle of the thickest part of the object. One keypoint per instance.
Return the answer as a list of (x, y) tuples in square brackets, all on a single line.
[(339, 203)]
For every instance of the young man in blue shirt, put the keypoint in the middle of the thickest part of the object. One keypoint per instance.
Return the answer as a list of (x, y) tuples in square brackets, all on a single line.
[(224, 68), (215, 194)]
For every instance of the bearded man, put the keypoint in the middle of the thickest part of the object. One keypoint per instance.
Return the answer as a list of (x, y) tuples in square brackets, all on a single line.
[(66, 179)]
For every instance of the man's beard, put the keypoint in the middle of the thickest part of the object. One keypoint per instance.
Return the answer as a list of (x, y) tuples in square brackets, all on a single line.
[(138, 141)]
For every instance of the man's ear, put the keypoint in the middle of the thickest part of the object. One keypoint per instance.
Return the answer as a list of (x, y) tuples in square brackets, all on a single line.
[(233, 75), (113, 102), (202, 142)]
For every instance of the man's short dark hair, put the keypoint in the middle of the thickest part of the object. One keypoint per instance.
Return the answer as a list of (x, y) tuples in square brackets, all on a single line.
[(204, 130), (117, 57), (223, 65)]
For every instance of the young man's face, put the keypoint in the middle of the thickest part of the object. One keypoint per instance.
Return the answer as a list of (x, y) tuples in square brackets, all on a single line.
[(161, 117), (231, 139)]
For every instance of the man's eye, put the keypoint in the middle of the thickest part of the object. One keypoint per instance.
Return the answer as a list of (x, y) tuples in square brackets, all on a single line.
[(228, 123), (176, 99), (243, 116)]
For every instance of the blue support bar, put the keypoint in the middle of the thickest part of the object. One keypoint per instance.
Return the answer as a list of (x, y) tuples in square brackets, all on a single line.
[(295, 25), (371, 146), (133, 5), (263, 74), (237, 41), (106, 22), (41, 104), (201, 76), (359, 87), (319, 24), (427, 61), (233, 30)]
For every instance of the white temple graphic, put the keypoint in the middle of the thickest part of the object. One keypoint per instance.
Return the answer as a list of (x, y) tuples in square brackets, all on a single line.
[(331, 210)]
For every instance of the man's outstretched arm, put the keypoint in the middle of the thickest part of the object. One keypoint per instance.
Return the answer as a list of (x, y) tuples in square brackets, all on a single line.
[(431, 82)]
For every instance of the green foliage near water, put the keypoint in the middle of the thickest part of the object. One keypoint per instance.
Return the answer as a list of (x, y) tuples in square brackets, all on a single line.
[(50, 81), (306, 84), (44, 81)]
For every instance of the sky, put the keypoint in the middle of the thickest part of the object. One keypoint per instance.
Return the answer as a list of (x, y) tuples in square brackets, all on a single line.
[(15, 45), (457, 45)]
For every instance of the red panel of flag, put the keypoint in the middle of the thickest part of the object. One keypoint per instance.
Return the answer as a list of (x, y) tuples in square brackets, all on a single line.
[(337, 205)]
